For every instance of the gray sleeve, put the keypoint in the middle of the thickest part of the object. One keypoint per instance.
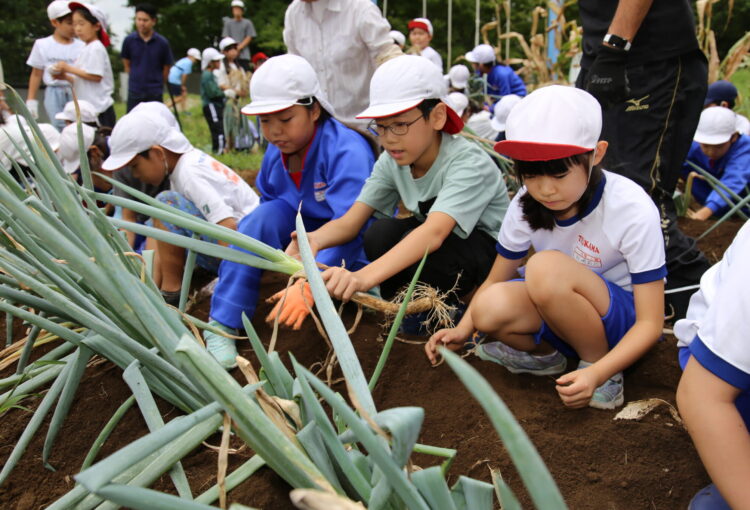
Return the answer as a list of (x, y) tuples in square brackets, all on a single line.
[(250, 29)]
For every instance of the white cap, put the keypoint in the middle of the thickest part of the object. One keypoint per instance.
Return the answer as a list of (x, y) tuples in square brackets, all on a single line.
[(398, 37), (210, 55), (459, 76), (69, 154), (422, 23), (502, 110), (238, 3), (716, 126), (88, 112), (160, 109), (482, 54), (57, 9), (227, 41), (194, 52), (99, 15), (281, 83), (10, 136), (402, 83), (139, 131), (552, 122), (458, 102)]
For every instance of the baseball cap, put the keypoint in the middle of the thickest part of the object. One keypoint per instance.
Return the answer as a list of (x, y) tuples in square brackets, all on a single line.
[(238, 3), (259, 56), (422, 23), (209, 55), (719, 91), (57, 9), (160, 109), (458, 102), (552, 122), (139, 131), (88, 112), (226, 42), (194, 52), (69, 154), (482, 54), (397, 36), (716, 125), (11, 140), (281, 83), (100, 17), (404, 82), (502, 110), (459, 76)]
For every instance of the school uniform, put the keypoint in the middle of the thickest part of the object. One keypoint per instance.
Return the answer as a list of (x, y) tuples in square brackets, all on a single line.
[(463, 183), (715, 328), (94, 59), (212, 98), (617, 236), (334, 169), (502, 80)]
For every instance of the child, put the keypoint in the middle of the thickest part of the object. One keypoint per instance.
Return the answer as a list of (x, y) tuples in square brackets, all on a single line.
[(500, 79), (458, 78), (46, 52), (479, 120), (200, 185), (714, 392), (212, 98), (502, 110), (724, 93), (452, 188), (420, 35), (594, 287), (88, 113), (91, 74), (11, 140), (398, 38), (178, 74), (229, 75), (259, 59), (724, 153), (312, 160), (240, 29)]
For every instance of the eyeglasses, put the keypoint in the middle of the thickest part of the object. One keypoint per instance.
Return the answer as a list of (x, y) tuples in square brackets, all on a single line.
[(397, 128)]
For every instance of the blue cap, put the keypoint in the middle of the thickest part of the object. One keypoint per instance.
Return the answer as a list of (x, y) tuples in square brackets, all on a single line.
[(719, 91)]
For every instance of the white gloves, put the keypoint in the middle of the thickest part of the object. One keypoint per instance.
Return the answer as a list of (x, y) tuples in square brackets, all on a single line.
[(230, 93), (33, 106)]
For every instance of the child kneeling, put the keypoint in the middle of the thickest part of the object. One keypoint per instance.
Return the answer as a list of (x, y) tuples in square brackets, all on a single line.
[(594, 287)]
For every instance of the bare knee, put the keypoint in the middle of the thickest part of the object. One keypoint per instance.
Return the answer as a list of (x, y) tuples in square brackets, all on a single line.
[(491, 311), (545, 277)]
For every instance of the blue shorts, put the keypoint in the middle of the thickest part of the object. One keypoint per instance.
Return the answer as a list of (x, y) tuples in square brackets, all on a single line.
[(619, 318)]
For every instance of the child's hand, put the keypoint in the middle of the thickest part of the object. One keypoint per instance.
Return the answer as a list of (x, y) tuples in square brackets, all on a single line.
[(450, 338), (576, 388), (341, 283), (293, 248), (59, 67), (701, 214)]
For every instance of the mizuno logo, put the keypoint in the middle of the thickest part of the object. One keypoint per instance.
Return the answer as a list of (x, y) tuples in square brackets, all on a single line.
[(635, 104)]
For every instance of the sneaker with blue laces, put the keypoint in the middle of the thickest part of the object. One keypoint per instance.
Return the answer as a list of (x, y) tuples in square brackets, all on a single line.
[(520, 362), (221, 348)]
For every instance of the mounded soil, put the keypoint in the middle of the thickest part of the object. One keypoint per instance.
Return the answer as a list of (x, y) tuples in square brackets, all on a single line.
[(598, 463)]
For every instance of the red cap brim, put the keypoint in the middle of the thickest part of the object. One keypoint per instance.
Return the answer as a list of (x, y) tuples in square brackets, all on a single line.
[(533, 151), (418, 24), (453, 124)]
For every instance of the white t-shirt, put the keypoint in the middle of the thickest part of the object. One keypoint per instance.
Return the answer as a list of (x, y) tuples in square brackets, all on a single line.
[(433, 56), (48, 51), (718, 316), (215, 189), (481, 124), (618, 236), (743, 125), (94, 60)]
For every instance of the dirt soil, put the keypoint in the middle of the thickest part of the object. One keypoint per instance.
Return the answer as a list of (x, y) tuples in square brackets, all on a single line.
[(598, 463)]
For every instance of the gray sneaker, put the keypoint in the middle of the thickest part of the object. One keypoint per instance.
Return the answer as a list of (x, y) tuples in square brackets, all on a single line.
[(609, 395), (520, 362), (223, 349)]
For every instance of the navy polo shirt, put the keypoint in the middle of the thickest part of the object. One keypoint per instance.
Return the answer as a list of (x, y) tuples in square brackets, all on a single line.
[(147, 61)]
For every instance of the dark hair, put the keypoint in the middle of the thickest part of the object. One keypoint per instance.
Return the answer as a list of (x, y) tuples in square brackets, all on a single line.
[(144, 154), (426, 106), (101, 140), (88, 16), (310, 102), (62, 18), (148, 9), (538, 216)]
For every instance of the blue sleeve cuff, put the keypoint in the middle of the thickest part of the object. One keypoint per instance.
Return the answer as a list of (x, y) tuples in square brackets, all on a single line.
[(510, 255), (717, 366), (649, 276)]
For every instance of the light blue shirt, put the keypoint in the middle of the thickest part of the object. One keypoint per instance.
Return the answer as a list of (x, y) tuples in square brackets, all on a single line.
[(181, 67)]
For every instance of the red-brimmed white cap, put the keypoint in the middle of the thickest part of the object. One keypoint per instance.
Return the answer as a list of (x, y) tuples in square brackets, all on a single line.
[(422, 23), (404, 82), (57, 9), (716, 126), (482, 54), (69, 155), (100, 17), (502, 110), (88, 112), (139, 131), (280, 83), (552, 122)]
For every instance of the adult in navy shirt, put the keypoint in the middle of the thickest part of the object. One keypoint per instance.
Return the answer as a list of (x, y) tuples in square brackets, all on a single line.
[(147, 58)]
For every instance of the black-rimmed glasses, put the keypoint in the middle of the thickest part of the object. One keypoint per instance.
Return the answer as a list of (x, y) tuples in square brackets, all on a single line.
[(397, 128)]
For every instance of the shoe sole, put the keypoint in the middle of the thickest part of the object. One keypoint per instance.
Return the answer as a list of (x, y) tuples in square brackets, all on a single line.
[(554, 370)]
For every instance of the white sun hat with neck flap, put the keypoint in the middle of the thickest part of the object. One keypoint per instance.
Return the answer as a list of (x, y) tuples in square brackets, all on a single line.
[(282, 82)]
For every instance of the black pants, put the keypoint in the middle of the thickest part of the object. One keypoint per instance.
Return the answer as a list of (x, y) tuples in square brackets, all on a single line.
[(471, 258), (214, 114), (134, 98), (649, 137), (107, 117)]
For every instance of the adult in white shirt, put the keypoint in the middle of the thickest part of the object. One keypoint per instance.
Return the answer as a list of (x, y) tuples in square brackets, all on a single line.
[(344, 41)]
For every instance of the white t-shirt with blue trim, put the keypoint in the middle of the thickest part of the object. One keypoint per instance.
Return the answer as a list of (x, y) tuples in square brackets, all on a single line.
[(718, 319), (618, 236)]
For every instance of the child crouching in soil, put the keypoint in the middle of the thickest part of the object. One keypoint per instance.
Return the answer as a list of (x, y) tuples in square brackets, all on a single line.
[(594, 287)]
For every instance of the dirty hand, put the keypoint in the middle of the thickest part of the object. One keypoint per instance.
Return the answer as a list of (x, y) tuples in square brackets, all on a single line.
[(450, 338), (295, 307), (607, 80), (576, 388), (341, 283)]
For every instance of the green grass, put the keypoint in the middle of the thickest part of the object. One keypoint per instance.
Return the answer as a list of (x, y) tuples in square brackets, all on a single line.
[(741, 80)]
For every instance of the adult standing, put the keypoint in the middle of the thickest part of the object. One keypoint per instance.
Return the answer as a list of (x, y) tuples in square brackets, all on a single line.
[(242, 30), (147, 58), (642, 62), (344, 41)]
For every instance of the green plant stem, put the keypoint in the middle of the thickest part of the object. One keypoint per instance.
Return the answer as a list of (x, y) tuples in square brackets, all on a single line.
[(106, 431)]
